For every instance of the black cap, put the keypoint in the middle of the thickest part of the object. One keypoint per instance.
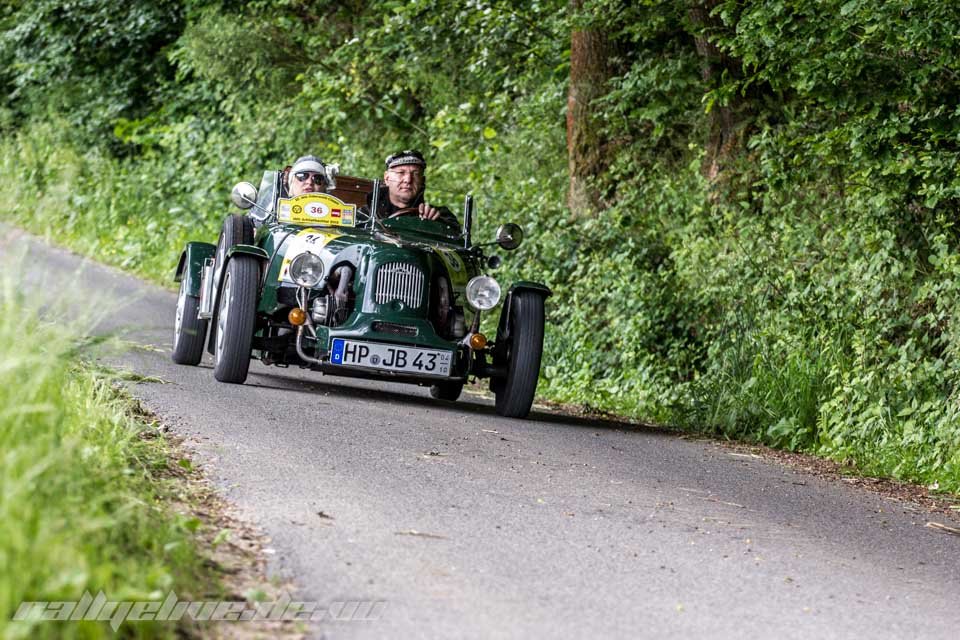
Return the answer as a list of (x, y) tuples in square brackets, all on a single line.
[(407, 156)]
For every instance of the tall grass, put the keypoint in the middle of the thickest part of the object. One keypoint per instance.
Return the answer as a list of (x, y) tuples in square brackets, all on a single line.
[(81, 485)]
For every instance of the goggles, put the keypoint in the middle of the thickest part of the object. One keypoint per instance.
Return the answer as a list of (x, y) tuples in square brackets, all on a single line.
[(316, 178)]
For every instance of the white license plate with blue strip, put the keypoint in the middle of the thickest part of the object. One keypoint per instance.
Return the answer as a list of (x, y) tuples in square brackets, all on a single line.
[(390, 357)]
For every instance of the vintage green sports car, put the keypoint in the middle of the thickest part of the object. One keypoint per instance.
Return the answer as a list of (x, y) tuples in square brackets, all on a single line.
[(319, 281)]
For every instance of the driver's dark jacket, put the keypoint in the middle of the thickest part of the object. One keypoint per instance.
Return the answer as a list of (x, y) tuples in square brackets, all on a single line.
[(387, 208)]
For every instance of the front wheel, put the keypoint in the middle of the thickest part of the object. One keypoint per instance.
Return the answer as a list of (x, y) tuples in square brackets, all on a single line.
[(236, 318), (236, 229), (515, 391), (189, 331)]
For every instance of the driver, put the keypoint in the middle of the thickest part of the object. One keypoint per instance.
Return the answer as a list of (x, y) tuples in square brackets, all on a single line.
[(307, 175), (405, 180)]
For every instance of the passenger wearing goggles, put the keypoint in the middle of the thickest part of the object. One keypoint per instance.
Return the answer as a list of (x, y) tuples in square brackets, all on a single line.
[(307, 175)]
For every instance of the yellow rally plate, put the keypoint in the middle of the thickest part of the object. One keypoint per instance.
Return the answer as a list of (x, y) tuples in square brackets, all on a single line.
[(317, 209)]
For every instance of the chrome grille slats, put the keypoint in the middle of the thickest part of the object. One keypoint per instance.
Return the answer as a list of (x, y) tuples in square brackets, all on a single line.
[(399, 281)]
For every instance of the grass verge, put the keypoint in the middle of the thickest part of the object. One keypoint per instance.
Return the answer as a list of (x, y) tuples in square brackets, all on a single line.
[(84, 487)]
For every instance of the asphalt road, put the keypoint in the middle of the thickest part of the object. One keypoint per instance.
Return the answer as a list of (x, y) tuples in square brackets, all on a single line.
[(464, 524)]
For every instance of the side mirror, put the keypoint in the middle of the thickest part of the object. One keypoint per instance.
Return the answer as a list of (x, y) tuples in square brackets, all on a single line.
[(244, 195), (509, 236)]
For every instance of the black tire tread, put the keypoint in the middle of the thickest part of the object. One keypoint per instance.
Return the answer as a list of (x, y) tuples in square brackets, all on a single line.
[(236, 229), (188, 349), (232, 365), (523, 370)]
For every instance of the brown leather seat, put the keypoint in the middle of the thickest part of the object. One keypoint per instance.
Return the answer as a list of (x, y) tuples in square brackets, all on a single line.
[(352, 190)]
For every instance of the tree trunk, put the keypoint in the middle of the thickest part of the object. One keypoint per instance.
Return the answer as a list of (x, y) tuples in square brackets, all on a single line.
[(590, 50), (726, 122)]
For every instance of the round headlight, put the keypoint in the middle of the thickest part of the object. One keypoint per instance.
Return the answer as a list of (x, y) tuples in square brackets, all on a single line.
[(306, 270), (483, 292)]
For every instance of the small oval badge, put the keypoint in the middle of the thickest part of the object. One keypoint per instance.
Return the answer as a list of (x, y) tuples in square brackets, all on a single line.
[(316, 210)]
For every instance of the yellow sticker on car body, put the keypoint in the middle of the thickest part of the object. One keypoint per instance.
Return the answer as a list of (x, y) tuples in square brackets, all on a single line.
[(456, 267), (317, 209)]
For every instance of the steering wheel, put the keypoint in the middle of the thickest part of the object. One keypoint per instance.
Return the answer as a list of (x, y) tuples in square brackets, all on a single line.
[(406, 211)]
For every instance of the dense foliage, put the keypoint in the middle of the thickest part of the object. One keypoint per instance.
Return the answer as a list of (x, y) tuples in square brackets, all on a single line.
[(775, 257)]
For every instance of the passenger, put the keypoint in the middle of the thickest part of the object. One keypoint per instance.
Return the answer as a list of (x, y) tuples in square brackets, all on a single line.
[(307, 175), (405, 179)]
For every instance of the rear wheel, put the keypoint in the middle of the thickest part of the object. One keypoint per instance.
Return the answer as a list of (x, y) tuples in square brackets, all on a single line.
[(237, 229), (515, 391), (448, 391), (236, 318), (189, 332)]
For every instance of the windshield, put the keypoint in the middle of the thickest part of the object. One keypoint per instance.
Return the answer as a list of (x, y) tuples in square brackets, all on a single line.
[(266, 194), (345, 207), (413, 228)]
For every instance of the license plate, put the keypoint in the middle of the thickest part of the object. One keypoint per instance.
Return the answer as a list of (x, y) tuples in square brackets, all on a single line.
[(390, 357)]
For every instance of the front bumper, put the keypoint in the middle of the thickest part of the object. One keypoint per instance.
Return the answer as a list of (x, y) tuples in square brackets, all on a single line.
[(314, 343)]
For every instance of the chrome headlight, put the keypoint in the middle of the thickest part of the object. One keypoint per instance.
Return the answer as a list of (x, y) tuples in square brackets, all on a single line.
[(306, 270), (483, 292)]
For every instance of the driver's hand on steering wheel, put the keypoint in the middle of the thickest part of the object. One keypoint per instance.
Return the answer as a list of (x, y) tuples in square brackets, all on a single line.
[(428, 212)]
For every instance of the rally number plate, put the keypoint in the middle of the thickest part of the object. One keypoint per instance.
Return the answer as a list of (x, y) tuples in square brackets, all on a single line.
[(390, 357)]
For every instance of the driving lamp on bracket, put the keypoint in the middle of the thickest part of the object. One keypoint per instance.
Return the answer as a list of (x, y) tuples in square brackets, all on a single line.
[(483, 292), (306, 270)]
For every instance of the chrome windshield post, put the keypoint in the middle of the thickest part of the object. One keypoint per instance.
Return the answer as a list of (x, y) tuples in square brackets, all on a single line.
[(374, 203), (467, 220)]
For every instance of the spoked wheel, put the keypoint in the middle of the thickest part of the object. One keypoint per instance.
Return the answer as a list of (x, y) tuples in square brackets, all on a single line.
[(189, 332), (236, 317), (448, 391), (237, 229), (516, 390)]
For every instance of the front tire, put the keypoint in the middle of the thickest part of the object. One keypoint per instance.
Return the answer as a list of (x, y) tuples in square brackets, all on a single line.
[(189, 332), (516, 391), (236, 319), (236, 229)]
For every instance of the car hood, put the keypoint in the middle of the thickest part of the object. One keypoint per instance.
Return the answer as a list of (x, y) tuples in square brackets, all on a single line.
[(339, 245)]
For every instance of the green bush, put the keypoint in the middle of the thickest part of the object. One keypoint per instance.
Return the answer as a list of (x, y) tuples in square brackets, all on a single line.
[(798, 291)]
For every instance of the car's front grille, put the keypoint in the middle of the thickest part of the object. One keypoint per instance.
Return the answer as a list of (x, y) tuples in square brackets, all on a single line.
[(399, 281)]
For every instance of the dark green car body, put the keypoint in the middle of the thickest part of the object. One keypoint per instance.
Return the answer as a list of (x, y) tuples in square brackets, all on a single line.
[(396, 287)]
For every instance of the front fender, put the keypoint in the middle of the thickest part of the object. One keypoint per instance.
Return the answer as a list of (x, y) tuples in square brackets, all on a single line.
[(249, 250), (243, 250), (503, 328), (527, 285), (190, 265)]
